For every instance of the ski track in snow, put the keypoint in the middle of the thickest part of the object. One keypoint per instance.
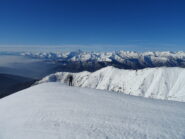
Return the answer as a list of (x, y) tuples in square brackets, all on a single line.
[(56, 111)]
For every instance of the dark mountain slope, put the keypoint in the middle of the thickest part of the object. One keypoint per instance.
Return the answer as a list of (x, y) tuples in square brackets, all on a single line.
[(10, 84)]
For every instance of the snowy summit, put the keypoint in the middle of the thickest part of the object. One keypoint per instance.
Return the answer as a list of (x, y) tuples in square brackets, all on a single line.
[(56, 111)]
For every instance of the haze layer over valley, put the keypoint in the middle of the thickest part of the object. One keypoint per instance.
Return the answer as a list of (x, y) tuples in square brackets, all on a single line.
[(19, 72)]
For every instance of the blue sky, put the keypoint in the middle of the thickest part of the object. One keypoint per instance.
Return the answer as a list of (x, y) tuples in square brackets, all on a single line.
[(139, 25)]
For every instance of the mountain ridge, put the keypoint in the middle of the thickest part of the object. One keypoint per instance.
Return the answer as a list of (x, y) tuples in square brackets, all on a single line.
[(160, 83), (93, 61)]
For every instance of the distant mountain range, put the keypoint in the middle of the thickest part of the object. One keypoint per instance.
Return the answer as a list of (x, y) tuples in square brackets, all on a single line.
[(160, 83), (92, 61), (38, 65)]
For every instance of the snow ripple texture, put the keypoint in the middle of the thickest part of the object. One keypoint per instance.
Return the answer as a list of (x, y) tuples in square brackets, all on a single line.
[(56, 111)]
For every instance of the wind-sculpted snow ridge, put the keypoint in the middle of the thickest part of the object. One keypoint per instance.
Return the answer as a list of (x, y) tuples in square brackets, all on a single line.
[(120, 59), (56, 111), (160, 83)]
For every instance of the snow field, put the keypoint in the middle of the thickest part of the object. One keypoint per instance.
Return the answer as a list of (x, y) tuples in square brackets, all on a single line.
[(56, 111)]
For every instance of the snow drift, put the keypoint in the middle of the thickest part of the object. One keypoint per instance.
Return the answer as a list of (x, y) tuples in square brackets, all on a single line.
[(56, 111), (160, 83)]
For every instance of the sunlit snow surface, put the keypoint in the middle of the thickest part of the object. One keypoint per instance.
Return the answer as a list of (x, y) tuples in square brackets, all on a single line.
[(56, 111), (160, 83)]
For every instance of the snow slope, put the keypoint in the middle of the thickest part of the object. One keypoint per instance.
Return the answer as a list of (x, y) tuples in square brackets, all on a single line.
[(56, 111), (160, 83)]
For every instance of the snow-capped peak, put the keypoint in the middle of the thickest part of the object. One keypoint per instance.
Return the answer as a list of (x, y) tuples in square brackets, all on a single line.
[(122, 59)]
